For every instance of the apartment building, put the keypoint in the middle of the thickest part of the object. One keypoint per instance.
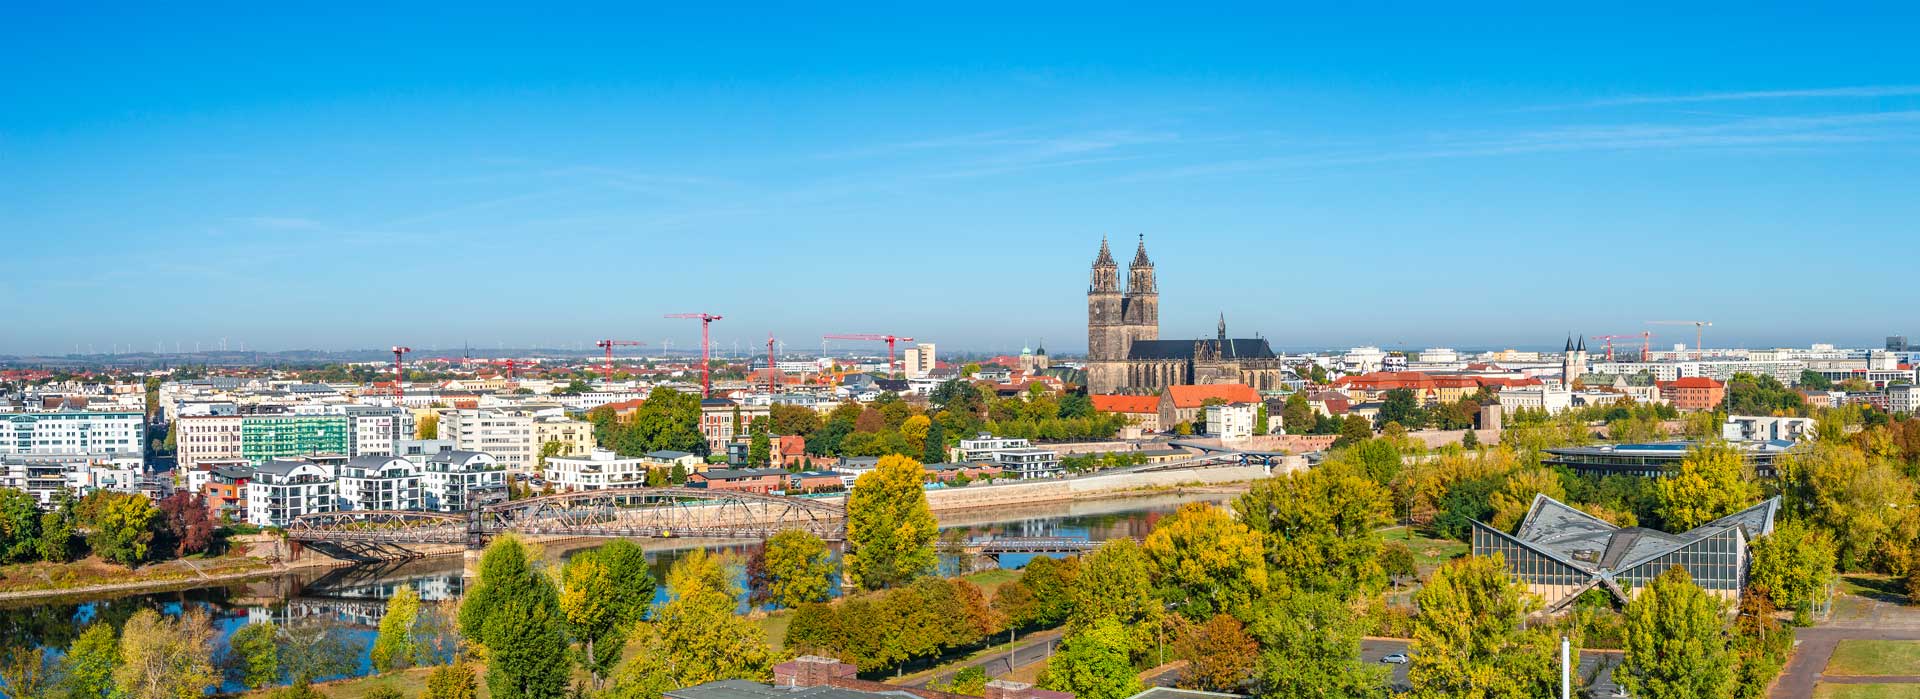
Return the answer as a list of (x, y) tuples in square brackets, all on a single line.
[(574, 436), (281, 490), (376, 428), (116, 438), (203, 439), (460, 480), (919, 360), (513, 436), (1693, 393), (265, 438), (378, 482), (600, 469)]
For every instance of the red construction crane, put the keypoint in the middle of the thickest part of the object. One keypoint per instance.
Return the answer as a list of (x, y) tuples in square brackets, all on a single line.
[(398, 373), (706, 349), (1646, 340), (889, 339), (608, 345)]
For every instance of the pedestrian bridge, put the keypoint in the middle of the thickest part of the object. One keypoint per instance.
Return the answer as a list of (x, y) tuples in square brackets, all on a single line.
[(614, 513)]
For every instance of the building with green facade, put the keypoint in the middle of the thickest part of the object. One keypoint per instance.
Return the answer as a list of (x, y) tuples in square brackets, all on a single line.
[(267, 437)]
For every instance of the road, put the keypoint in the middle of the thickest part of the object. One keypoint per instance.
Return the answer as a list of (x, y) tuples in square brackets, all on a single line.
[(1026, 651), (1596, 666), (1814, 646)]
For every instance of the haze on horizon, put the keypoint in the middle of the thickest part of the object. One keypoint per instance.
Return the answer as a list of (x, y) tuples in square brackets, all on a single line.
[(1471, 177)]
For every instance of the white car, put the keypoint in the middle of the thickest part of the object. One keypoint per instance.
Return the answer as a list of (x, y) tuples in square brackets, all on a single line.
[(1395, 659)]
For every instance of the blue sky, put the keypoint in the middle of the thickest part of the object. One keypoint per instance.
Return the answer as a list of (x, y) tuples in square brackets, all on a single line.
[(1403, 176)]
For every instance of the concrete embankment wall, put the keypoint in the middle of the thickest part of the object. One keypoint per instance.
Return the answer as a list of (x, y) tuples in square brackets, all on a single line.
[(1091, 486)]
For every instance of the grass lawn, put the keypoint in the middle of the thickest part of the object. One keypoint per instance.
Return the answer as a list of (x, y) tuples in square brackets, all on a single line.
[(1885, 588), (991, 580), (1860, 657), (775, 625), (411, 683), (1428, 553), (1866, 691)]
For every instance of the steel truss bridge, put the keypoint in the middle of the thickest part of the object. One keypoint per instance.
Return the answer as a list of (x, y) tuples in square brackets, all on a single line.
[(620, 512)]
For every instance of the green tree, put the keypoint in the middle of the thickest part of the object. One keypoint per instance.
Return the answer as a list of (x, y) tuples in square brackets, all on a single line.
[(1748, 394), (1794, 564), (1353, 430), (1814, 381), (695, 637), (505, 573), (759, 444), (1401, 406), (1863, 503), (550, 449), (799, 568), (122, 528), (1468, 641), (1676, 642), (1052, 583), (1094, 663), (314, 650), (165, 659), (1705, 486), (1260, 419), (890, 528), (933, 449), (86, 672), (58, 526), (668, 419), (1208, 561), (514, 612), (427, 427), (255, 657), (1297, 416), (1116, 581), (452, 681), (1320, 528), (393, 648), (19, 525), (1311, 648), (27, 673)]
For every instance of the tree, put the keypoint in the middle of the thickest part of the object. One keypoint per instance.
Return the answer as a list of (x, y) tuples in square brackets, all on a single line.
[(527, 647), (1470, 439), (393, 648), (1396, 560), (1814, 381), (1210, 562), (890, 528), (186, 523), (1748, 394), (1297, 416), (1052, 582), (1401, 406), (122, 527), (552, 448), (1260, 419), (1320, 527), (1116, 581), (1705, 486), (1311, 648), (695, 637), (1861, 502), (1794, 564), (27, 673), (505, 573), (452, 681), (668, 419), (1676, 644), (792, 419), (19, 525), (799, 569), (934, 448), (604, 593), (255, 657), (165, 659), (1094, 663), (1355, 429), (58, 525), (1468, 641), (427, 427), (315, 650), (87, 670), (1219, 653)]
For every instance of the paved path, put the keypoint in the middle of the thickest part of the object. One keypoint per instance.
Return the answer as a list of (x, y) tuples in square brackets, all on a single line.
[(1027, 650), (1814, 647)]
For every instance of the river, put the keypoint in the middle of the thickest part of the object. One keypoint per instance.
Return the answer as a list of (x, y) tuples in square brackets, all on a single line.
[(350, 600)]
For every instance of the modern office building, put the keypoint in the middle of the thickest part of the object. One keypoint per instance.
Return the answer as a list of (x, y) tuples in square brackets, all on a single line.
[(1654, 459), (118, 438), (377, 482), (514, 436), (460, 480), (1560, 552), (281, 490), (376, 428), (267, 437), (599, 470)]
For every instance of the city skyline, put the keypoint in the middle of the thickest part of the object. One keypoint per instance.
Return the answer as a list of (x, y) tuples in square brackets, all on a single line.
[(549, 180)]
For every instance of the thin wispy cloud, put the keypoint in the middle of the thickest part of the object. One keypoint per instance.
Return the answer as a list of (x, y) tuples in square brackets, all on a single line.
[(1866, 91)]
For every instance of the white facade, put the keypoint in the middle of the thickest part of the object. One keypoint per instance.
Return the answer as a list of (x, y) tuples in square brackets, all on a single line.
[(1229, 422), (918, 360), (983, 447), (375, 429), (1904, 399), (379, 482), (1744, 428), (1550, 398), (456, 481), (117, 437), (45, 476), (599, 470), (506, 435), (1362, 360), (282, 490), (1029, 463)]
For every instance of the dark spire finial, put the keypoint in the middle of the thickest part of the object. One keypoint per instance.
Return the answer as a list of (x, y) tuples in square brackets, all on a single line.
[(1106, 256), (1140, 254), (1223, 326)]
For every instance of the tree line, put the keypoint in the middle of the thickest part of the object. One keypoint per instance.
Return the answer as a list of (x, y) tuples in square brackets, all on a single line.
[(124, 528)]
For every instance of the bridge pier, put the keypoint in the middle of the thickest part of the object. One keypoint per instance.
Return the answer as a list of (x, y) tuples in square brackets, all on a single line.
[(470, 564)]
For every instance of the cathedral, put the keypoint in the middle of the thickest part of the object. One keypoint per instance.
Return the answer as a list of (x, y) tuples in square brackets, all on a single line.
[(1126, 355)]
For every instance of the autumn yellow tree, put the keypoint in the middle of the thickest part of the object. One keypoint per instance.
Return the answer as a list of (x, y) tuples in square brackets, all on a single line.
[(890, 528), (1709, 484), (1209, 561)]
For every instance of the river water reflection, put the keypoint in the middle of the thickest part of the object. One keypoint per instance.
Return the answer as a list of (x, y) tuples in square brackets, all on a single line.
[(351, 600)]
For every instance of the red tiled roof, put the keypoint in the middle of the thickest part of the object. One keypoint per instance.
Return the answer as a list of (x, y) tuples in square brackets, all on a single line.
[(1126, 404), (1692, 382), (1196, 396)]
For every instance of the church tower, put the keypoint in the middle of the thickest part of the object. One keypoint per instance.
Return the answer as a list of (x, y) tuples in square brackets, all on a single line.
[(1106, 326), (1141, 306)]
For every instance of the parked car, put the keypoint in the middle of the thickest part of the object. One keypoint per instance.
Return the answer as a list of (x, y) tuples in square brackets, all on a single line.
[(1395, 659)]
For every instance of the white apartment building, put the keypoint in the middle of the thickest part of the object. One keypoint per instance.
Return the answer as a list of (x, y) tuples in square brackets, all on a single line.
[(375, 429), (282, 490), (1029, 463), (599, 470), (1748, 428), (918, 360), (1231, 421), (1362, 360), (1550, 398), (118, 438), (506, 435), (1904, 398), (983, 447), (459, 480), (45, 476), (378, 482)]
